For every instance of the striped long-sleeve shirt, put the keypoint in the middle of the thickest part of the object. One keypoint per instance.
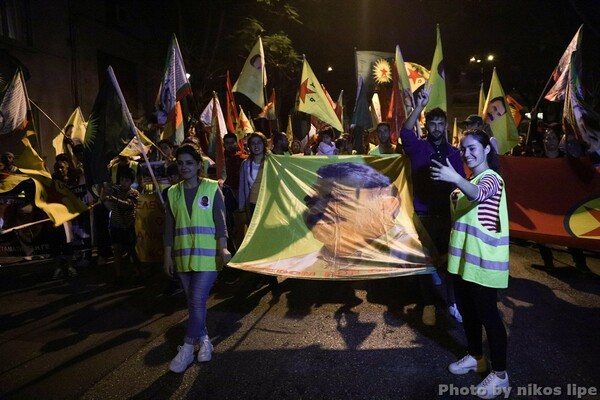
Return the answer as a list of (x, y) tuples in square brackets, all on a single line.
[(488, 197)]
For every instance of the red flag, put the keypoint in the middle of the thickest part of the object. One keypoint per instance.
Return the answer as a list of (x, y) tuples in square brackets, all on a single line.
[(396, 114), (268, 111), (231, 108)]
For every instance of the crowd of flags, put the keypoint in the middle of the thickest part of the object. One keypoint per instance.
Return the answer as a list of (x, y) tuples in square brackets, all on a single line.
[(109, 130)]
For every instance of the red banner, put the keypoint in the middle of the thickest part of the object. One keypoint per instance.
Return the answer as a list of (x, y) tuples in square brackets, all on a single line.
[(555, 201)]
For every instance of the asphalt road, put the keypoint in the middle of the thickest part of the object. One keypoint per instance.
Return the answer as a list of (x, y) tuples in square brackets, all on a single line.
[(86, 338)]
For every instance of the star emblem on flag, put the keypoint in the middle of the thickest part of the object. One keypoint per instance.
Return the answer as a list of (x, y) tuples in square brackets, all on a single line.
[(414, 75), (304, 90), (382, 72), (595, 213)]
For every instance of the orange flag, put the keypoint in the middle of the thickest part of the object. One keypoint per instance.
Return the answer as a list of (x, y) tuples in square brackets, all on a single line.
[(230, 107)]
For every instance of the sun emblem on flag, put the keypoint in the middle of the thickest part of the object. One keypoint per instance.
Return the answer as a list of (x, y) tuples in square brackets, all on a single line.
[(382, 71)]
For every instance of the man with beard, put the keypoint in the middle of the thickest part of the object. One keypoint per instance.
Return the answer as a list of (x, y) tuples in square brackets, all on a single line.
[(431, 199), (281, 144)]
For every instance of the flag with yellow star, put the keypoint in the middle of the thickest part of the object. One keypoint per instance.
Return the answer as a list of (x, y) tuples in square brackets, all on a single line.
[(375, 67), (313, 100)]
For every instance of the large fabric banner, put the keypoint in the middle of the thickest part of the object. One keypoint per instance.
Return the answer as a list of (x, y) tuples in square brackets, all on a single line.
[(149, 228), (336, 217), (554, 201)]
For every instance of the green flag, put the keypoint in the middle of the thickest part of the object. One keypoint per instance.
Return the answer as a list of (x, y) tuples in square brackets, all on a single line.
[(437, 78), (498, 116), (107, 134)]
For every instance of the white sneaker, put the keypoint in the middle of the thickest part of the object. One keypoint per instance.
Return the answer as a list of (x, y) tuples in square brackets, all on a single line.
[(453, 310), (467, 364), (72, 272), (491, 386), (205, 353), (182, 360)]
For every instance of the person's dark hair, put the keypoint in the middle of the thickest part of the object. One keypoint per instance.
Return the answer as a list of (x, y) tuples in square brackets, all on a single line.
[(483, 138), (191, 149), (128, 174), (365, 176), (261, 137), (78, 149), (384, 124), (62, 157), (230, 135), (327, 131), (278, 137), (435, 113)]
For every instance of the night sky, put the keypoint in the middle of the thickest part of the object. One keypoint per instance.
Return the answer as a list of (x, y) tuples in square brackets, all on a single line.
[(526, 37)]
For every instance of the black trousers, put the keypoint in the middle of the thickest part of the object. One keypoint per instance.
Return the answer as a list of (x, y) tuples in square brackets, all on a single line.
[(479, 309)]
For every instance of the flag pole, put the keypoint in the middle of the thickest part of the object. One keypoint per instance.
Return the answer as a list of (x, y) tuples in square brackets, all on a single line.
[(47, 116), (135, 133), (535, 108)]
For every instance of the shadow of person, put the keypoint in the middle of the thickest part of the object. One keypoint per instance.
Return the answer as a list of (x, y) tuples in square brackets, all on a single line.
[(351, 329), (305, 294)]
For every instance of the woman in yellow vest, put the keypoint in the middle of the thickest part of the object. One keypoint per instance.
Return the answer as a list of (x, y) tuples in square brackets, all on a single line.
[(195, 247), (478, 256)]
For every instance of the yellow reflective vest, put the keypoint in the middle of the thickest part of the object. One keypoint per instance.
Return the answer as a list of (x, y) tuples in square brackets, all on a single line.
[(475, 253), (196, 245)]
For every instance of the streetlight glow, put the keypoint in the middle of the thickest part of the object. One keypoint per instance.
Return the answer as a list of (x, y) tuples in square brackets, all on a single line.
[(490, 57), (472, 59), (329, 68)]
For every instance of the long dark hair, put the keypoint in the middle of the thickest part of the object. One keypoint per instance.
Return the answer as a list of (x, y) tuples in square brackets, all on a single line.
[(483, 138)]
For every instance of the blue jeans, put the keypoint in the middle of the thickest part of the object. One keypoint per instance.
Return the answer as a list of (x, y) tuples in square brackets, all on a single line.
[(197, 288)]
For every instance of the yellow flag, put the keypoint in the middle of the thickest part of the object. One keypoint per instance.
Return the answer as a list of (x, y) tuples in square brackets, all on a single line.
[(253, 77), (455, 140), (133, 148), (289, 132), (243, 126), (313, 100), (498, 116), (29, 158), (437, 78), (79, 125), (51, 196), (481, 107)]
